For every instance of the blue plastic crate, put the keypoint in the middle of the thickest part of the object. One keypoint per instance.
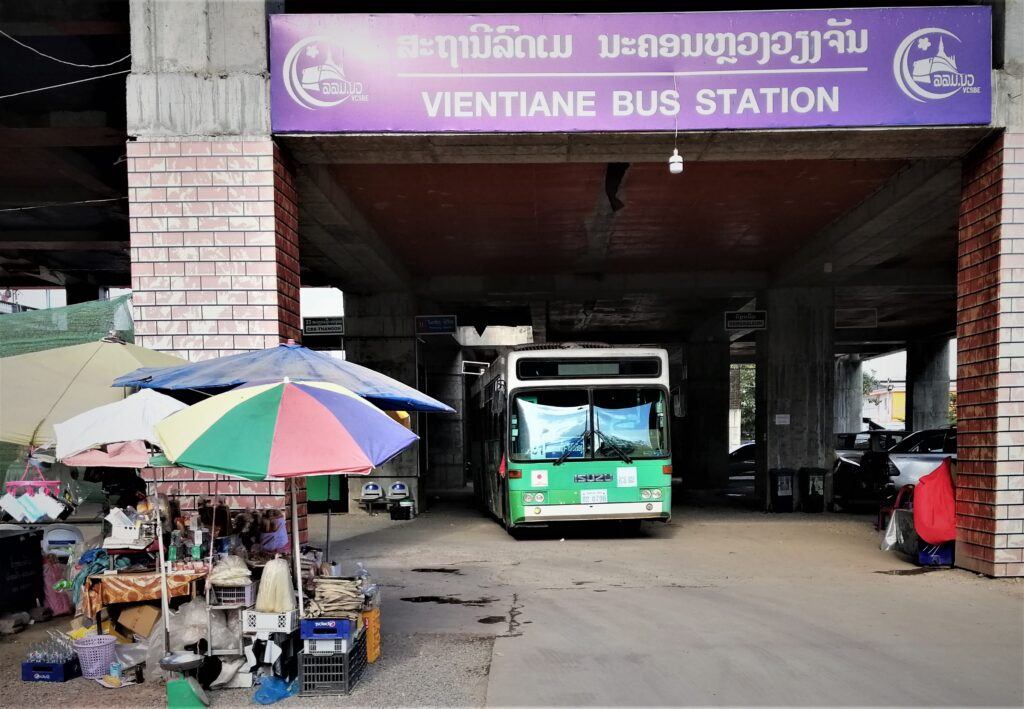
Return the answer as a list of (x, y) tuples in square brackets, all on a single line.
[(325, 628), (50, 671), (935, 554)]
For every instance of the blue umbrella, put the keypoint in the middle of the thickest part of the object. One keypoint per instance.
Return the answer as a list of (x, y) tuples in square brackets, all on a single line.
[(290, 360)]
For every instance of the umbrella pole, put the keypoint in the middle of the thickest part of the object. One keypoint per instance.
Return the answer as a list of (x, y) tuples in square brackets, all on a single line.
[(165, 607), (327, 546), (295, 538)]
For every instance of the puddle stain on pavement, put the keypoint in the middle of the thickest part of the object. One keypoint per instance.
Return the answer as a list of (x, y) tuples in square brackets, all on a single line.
[(446, 600)]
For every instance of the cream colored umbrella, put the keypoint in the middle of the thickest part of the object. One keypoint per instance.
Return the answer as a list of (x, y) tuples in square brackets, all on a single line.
[(40, 389)]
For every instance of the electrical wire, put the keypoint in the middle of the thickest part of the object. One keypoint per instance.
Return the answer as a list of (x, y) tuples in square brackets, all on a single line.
[(66, 83), (62, 61), (61, 204)]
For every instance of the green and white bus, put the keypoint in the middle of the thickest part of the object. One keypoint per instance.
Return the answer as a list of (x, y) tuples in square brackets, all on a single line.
[(571, 432)]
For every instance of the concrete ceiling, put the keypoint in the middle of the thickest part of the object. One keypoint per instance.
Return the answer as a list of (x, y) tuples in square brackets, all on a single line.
[(63, 145), (590, 237)]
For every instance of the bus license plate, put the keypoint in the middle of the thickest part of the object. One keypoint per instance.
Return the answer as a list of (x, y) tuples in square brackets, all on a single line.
[(593, 497)]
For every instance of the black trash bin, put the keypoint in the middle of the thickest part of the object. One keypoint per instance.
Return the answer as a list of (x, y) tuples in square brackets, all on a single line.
[(780, 491), (21, 568), (812, 489)]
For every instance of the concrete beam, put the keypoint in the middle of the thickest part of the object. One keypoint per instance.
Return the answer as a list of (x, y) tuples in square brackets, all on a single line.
[(331, 223), (722, 146), (6, 245), (879, 227), (70, 165), (64, 137), (598, 286)]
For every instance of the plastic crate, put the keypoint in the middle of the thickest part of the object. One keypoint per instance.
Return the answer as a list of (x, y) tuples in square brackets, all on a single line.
[(50, 671), (935, 554), (235, 595), (325, 647), (256, 622), (371, 621), (325, 628), (332, 674)]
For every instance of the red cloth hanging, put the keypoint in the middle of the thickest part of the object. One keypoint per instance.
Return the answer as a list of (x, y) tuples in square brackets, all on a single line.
[(935, 506)]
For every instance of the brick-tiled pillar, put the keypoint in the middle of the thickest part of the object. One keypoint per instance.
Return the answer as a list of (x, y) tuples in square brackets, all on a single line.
[(214, 246), (215, 271), (990, 363)]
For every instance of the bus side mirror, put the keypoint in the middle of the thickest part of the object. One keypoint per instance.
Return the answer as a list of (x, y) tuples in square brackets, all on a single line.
[(678, 403)]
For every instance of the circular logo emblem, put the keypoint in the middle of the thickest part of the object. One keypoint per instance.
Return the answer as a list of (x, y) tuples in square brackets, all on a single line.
[(314, 76), (925, 65)]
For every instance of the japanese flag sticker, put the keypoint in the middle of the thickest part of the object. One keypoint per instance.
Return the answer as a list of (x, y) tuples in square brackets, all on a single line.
[(539, 478)]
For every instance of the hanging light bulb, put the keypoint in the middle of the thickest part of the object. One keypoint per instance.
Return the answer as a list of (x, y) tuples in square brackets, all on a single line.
[(675, 163)]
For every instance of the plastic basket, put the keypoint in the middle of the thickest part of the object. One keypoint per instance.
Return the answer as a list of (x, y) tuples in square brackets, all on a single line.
[(257, 622), (95, 653), (235, 595), (332, 674)]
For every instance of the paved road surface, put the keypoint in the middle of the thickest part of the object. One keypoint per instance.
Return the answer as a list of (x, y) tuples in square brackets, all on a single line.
[(721, 607)]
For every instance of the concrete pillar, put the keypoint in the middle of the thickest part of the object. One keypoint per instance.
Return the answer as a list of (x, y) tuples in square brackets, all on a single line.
[(81, 293), (849, 393), (445, 464), (927, 384), (380, 334), (795, 381), (706, 425), (990, 348), (212, 204)]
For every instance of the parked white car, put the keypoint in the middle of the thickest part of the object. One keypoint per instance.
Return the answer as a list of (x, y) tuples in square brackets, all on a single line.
[(921, 453)]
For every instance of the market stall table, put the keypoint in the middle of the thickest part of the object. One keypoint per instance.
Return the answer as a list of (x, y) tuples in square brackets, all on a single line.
[(102, 590)]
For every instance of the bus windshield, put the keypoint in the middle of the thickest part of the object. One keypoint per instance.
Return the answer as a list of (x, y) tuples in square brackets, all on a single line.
[(596, 423)]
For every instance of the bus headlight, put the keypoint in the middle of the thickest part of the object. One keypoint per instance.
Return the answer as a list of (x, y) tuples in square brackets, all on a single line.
[(528, 497), (539, 497), (645, 494), (656, 493)]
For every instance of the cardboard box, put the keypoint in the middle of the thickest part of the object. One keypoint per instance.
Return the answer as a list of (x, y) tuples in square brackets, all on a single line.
[(140, 619)]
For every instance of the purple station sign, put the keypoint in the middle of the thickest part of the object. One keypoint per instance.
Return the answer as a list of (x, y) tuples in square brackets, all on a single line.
[(630, 72)]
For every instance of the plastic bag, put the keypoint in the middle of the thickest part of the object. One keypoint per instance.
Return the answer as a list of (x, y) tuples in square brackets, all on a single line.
[(276, 594), (131, 654), (274, 689), (232, 571), (56, 600), (935, 506), (892, 539)]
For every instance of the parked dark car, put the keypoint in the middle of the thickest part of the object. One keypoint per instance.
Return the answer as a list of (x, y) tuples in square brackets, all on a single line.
[(742, 467)]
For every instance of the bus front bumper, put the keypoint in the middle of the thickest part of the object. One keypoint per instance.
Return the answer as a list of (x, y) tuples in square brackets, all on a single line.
[(610, 510)]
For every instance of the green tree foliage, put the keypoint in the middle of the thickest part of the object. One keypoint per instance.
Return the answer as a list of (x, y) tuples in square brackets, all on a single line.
[(747, 383)]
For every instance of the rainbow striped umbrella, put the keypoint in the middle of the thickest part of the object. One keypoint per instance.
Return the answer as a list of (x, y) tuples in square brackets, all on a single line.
[(283, 429)]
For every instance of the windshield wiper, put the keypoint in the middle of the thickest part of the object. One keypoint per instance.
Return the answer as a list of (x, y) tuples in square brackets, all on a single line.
[(611, 444), (568, 449)]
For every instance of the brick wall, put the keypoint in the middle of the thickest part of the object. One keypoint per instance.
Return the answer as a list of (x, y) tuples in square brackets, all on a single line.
[(214, 246), (990, 360), (215, 271), (188, 486)]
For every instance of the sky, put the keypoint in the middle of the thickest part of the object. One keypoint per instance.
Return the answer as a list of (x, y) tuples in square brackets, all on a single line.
[(894, 366)]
